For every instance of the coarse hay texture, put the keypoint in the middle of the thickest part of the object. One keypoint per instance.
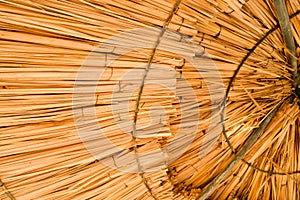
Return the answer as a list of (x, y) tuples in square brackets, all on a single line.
[(45, 44)]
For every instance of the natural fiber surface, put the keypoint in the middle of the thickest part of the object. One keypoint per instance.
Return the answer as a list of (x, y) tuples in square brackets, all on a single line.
[(44, 44)]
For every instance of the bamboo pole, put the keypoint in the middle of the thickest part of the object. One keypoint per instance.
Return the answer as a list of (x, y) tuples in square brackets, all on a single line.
[(284, 21), (239, 155)]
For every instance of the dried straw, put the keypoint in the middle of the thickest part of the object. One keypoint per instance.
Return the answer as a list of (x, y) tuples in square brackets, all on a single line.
[(43, 45)]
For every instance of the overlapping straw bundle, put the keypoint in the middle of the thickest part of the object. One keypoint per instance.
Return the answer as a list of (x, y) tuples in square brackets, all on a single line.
[(134, 132)]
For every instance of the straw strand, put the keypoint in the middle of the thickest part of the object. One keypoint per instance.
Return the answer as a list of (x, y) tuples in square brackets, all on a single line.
[(251, 140), (42, 156), (228, 90), (6, 191), (141, 173)]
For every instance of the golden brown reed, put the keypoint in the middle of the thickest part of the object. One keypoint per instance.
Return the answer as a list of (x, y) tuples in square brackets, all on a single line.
[(44, 43)]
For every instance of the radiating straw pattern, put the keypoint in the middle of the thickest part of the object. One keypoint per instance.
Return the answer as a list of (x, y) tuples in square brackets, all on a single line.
[(43, 46)]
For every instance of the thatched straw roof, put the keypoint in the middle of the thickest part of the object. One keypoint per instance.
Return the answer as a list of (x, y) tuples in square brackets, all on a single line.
[(124, 99)]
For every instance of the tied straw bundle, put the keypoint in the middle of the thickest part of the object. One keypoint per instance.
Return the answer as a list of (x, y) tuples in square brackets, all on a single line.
[(255, 48)]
